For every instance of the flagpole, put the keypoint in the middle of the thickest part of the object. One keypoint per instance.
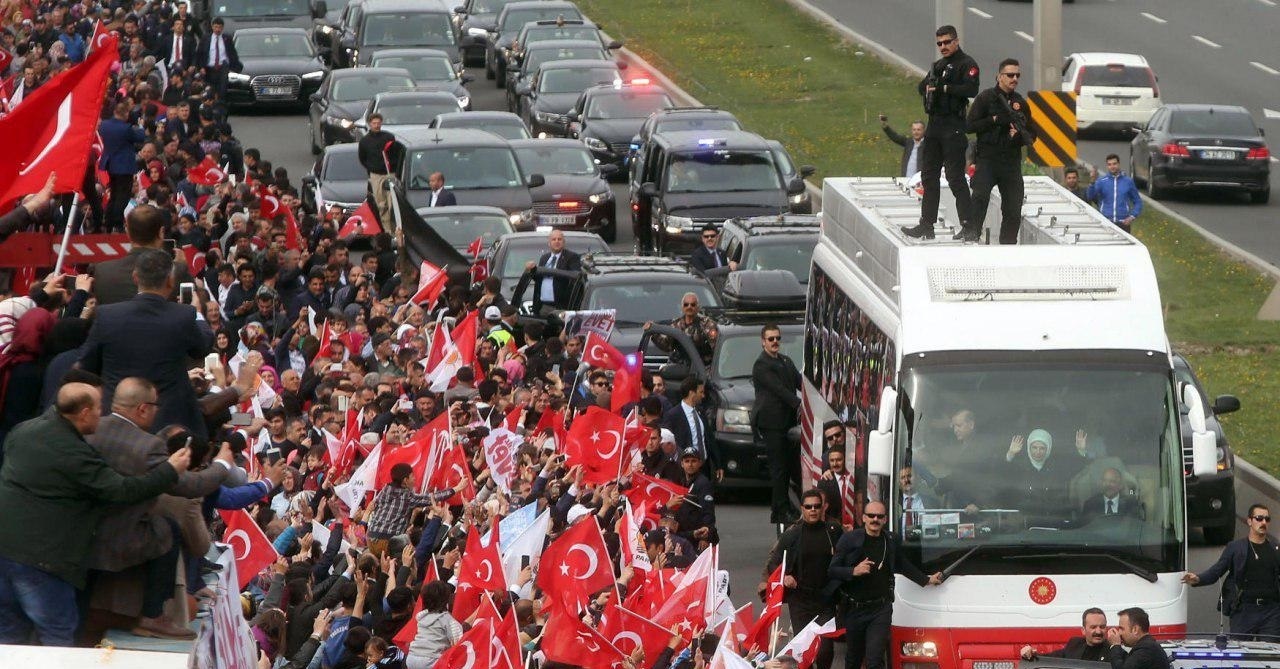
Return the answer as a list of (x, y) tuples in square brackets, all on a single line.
[(395, 213), (773, 633), (66, 234)]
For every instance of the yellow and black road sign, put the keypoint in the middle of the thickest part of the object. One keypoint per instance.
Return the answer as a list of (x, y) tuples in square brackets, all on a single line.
[(1053, 120)]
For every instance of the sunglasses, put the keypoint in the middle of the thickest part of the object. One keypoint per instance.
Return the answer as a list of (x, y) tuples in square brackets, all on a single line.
[(812, 507), (1262, 519), (875, 516), (773, 338), (690, 304), (711, 235), (945, 42), (1011, 75), (600, 384)]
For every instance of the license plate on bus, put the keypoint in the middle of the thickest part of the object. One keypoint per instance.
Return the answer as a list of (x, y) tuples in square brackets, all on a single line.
[(558, 220), (1117, 101), (1218, 154), (987, 664), (276, 90)]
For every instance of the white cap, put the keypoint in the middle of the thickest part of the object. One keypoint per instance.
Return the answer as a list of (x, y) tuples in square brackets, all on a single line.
[(668, 437), (492, 313), (577, 512)]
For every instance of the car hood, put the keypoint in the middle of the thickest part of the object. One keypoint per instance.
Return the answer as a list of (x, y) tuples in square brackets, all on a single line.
[(512, 200), (352, 109), (234, 23), (568, 185), (734, 392), (454, 87), (344, 191), (615, 131), (281, 65), (710, 205), (366, 52), (556, 103)]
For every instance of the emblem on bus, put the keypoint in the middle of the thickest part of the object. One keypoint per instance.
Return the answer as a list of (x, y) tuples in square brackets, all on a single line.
[(1042, 590)]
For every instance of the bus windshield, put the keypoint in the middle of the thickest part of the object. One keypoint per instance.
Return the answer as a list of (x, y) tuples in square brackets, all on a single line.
[(1072, 465)]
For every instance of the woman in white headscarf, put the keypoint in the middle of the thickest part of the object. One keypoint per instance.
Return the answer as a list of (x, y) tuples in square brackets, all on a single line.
[(1037, 483)]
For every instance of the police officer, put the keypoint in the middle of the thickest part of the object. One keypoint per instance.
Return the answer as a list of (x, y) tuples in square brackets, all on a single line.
[(1251, 592), (946, 90), (696, 517), (999, 117)]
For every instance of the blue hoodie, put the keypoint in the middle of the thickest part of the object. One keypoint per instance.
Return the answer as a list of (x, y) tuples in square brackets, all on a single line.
[(1117, 196)]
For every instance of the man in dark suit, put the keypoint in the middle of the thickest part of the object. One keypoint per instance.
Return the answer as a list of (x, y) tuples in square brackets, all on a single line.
[(177, 50), (552, 290), (777, 385), (151, 337), (135, 551), (120, 143), (1134, 631), (439, 196), (1112, 501), (691, 429), (1251, 566), (1090, 645), (707, 256), (113, 279), (217, 55), (911, 152)]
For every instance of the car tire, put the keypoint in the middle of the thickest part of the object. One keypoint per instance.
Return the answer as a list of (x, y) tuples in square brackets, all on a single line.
[(1133, 173), (609, 233), (1220, 536), (1153, 191), (1260, 196)]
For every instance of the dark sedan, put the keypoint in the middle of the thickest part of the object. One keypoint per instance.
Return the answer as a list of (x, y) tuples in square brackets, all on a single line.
[(574, 193), (605, 118), (503, 124), (281, 67), (431, 69), (475, 19), (343, 98), (511, 252), (337, 177), (461, 226), (519, 72), (508, 25), (1196, 145), (555, 87)]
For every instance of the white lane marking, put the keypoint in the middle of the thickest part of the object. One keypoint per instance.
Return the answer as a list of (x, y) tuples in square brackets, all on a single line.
[(1153, 17), (1206, 41), (1264, 68), (1024, 36), (979, 12), (1270, 113), (1269, 3)]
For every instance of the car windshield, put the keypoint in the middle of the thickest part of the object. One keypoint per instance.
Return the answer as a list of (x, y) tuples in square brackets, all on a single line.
[(556, 160), (627, 104), (465, 167), (422, 68), (415, 112), (535, 57), (365, 86), (344, 166), (1016, 458), (1215, 123), (737, 353), (793, 255), (488, 6), (462, 229), (721, 170), (1117, 76), (513, 129), (514, 20), (408, 29), (261, 8), (273, 45), (544, 33), (516, 255), (712, 124), (575, 80), (648, 301)]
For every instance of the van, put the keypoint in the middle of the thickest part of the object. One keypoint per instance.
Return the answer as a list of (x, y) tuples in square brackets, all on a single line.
[(1114, 91)]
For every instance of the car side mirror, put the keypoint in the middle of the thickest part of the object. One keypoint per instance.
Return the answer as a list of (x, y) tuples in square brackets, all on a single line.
[(315, 97), (795, 186), (648, 189), (309, 180), (615, 44), (807, 171), (608, 169), (1137, 131), (320, 8), (460, 10), (1225, 404), (572, 115), (522, 88), (880, 442), (466, 79), (362, 124), (537, 180)]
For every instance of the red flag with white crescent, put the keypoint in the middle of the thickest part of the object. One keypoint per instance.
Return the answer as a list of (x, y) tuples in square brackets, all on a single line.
[(361, 222), (568, 640), (595, 441), (479, 572), (208, 173), (252, 550), (472, 650), (577, 563), (431, 281), (627, 631), (598, 352)]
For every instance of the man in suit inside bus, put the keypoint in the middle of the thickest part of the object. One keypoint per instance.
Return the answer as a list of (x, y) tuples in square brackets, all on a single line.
[(1113, 500), (1091, 645)]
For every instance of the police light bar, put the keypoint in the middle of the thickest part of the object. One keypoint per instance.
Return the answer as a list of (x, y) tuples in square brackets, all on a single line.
[(712, 142)]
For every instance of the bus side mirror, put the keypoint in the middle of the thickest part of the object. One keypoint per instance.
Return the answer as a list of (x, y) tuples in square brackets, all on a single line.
[(1204, 444), (880, 444)]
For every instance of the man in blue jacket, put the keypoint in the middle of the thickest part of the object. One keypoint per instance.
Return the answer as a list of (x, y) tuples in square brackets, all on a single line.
[(1115, 194), (1251, 593), (120, 142)]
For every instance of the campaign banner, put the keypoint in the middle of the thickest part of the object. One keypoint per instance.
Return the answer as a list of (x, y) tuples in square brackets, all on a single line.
[(599, 321)]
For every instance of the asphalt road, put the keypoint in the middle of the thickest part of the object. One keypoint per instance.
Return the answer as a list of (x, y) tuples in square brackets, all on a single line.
[(742, 513), (1214, 52)]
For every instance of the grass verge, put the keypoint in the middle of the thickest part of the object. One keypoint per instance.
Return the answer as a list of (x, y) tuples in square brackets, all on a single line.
[(791, 78)]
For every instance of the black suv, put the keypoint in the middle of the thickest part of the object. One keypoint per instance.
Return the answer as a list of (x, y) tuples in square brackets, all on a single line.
[(399, 24), (1211, 500), (510, 21), (606, 117), (683, 180), (702, 119)]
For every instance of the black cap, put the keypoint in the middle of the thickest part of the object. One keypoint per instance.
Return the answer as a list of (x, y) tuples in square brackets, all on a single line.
[(655, 537), (691, 452)]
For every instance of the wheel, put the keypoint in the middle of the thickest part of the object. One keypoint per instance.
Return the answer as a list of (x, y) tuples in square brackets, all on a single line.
[(499, 73), (609, 233), (1260, 196), (1132, 172), (1218, 536), (1154, 191)]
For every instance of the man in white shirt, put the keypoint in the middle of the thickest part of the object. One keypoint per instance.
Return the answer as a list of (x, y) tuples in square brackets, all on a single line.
[(549, 290), (218, 56)]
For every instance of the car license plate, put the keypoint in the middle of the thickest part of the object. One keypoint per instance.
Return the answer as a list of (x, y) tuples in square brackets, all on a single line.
[(984, 664), (1117, 101), (558, 220), (276, 90), (1216, 154)]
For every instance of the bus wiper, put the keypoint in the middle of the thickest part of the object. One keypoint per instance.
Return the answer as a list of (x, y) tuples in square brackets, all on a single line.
[(946, 573), (1141, 572)]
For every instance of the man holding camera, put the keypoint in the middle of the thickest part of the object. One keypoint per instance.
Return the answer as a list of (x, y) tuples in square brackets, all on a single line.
[(999, 117), (946, 90)]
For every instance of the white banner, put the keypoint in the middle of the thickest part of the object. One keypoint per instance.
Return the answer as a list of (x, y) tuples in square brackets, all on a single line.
[(225, 640), (500, 453), (599, 321)]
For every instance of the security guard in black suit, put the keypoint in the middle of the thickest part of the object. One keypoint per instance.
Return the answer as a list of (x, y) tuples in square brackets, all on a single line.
[(999, 117), (776, 381), (946, 90)]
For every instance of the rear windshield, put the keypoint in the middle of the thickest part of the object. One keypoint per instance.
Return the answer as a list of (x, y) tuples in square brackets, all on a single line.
[(1204, 122), (516, 18), (1123, 76), (344, 166)]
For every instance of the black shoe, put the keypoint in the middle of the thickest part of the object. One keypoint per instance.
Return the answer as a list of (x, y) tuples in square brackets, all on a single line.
[(969, 235), (921, 231)]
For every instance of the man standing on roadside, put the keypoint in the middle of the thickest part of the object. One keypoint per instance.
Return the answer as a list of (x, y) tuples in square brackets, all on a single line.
[(1116, 194), (946, 90), (912, 146), (777, 403), (807, 546), (1251, 593), (999, 117), (1071, 181), (373, 157)]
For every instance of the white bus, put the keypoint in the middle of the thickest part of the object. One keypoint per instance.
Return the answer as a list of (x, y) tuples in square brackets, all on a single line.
[(1016, 389)]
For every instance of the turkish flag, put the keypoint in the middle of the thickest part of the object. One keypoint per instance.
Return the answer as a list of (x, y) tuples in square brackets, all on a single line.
[(416, 453), (758, 636), (475, 246), (479, 572), (195, 259), (504, 645), (361, 222), (439, 341), (627, 631), (512, 421), (53, 128), (100, 38), (648, 492), (208, 173), (472, 650), (451, 469), (431, 281), (252, 550), (292, 235), (552, 420), (577, 562), (626, 383), (568, 640), (326, 338), (598, 352), (687, 605), (595, 442)]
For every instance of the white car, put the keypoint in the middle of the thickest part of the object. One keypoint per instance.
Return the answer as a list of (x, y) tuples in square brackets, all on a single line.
[(1116, 91)]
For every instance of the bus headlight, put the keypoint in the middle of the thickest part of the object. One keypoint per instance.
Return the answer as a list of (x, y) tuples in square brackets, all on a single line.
[(920, 649)]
